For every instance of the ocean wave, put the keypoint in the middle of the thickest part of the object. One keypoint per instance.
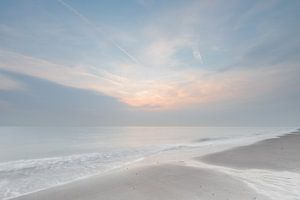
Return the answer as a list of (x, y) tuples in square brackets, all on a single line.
[(25, 176)]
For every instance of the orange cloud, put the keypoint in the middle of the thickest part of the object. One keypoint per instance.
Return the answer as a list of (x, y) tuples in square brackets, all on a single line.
[(174, 89)]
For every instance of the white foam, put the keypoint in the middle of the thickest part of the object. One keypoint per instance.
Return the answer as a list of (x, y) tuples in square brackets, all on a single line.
[(275, 185), (26, 176)]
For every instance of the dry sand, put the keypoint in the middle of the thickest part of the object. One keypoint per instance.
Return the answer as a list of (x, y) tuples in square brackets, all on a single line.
[(152, 183)]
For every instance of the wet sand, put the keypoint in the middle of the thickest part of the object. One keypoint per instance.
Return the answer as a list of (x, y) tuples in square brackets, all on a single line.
[(281, 153)]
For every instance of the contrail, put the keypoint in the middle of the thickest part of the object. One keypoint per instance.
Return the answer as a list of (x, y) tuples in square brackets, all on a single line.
[(93, 26)]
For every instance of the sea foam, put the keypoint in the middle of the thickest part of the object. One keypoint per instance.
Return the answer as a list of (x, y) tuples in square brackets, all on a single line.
[(25, 176)]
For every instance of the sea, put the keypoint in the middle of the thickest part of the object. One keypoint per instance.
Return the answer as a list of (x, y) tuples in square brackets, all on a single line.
[(37, 158)]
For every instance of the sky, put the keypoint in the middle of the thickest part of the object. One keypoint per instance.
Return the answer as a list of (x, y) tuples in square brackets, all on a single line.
[(150, 63)]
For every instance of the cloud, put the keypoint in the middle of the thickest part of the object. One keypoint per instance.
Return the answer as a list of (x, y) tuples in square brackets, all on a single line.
[(174, 90), (197, 55), (6, 83), (167, 75), (48, 103), (99, 30)]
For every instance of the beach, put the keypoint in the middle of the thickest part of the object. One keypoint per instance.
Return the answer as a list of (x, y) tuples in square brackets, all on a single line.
[(281, 154), (154, 182), (149, 100), (267, 169)]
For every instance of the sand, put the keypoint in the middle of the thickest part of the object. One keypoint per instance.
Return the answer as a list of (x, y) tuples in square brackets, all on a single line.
[(152, 183), (276, 154)]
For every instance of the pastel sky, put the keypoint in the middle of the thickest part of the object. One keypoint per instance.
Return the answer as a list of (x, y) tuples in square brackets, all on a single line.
[(146, 62)]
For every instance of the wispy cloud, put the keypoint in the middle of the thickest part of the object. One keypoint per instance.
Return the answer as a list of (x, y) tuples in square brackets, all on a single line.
[(177, 55), (99, 30), (6, 83), (178, 89), (197, 54)]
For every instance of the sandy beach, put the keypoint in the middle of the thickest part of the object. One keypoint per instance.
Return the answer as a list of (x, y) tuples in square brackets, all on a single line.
[(265, 170), (158, 182), (149, 100), (275, 153)]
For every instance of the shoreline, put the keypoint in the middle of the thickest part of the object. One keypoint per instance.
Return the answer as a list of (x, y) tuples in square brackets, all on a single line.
[(173, 154), (159, 166), (274, 154)]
